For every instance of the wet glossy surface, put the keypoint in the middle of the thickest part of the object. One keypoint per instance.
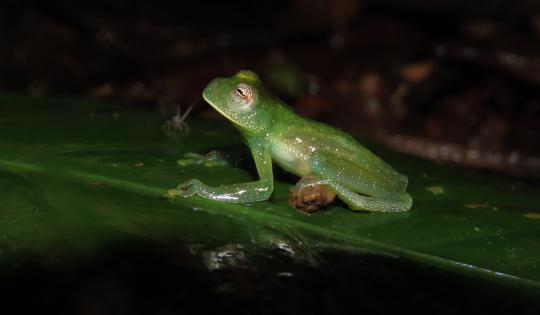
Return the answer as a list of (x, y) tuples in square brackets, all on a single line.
[(72, 183)]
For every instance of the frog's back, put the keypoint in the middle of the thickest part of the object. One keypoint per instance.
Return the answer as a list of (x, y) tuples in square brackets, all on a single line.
[(323, 140)]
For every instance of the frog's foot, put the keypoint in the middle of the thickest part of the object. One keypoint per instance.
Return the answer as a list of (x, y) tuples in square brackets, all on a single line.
[(392, 203), (310, 194), (186, 189)]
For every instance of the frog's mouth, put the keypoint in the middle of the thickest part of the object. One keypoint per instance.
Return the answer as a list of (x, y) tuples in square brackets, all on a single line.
[(219, 110)]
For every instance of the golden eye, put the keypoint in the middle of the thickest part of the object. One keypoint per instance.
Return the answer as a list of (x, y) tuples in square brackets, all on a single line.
[(244, 93)]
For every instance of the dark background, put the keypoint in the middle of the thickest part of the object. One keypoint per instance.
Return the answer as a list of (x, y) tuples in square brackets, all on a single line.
[(456, 81)]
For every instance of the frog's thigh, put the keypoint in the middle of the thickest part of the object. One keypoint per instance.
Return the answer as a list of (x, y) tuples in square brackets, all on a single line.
[(350, 174)]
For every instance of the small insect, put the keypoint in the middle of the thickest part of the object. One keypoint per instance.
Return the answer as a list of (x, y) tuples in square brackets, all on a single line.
[(177, 124)]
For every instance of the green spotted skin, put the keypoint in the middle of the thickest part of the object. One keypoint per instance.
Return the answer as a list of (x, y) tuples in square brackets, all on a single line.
[(275, 133)]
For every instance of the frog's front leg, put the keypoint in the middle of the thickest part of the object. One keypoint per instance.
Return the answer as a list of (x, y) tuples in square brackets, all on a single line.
[(238, 193)]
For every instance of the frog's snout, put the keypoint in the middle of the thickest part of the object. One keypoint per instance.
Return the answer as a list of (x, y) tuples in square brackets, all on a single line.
[(212, 89)]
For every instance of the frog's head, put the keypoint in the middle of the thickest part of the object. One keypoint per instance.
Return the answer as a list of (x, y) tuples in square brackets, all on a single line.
[(241, 99)]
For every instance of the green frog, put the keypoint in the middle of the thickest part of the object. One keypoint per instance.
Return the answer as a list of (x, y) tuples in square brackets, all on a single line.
[(306, 148)]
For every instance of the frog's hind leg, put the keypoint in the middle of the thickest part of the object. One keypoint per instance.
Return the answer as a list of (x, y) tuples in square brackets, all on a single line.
[(361, 188), (392, 203)]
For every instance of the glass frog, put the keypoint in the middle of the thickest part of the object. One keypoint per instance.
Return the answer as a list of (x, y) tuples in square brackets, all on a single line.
[(306, 148)]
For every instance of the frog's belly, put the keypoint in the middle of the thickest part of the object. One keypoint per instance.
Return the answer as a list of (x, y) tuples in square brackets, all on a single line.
[(293, 160)]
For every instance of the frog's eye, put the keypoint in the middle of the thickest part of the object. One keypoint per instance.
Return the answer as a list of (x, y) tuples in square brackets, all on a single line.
[(243, 93)]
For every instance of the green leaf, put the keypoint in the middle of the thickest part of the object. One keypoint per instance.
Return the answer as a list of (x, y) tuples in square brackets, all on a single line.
[(77, 175)]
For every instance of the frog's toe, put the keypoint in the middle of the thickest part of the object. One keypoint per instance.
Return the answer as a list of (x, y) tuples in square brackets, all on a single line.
[(171, 193), (188, 189)]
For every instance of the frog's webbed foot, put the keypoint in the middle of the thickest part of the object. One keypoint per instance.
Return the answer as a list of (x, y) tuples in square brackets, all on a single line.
[(399, 202), (187, 189), (311, 194)]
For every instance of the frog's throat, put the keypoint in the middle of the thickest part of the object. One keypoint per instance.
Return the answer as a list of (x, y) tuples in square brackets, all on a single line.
[(221, 112)]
